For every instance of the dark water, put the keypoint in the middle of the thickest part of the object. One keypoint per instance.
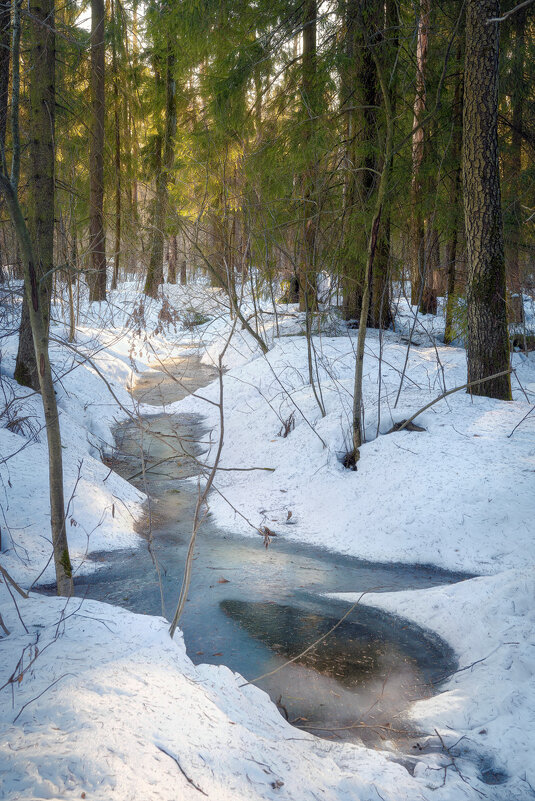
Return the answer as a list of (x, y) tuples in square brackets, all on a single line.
[(252, 609)]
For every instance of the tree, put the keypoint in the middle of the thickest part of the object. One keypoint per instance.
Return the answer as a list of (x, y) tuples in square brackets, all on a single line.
[(97, 237), (487, 342), (5, 50), (381, 63), (36, 241), (418, 243), (454, 232), (310, 94), (164, 163)]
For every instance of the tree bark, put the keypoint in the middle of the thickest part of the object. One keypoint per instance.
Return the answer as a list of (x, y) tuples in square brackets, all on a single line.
[(97, 237), (41, 187), (518, 91), (155, 270), (417, 229), (455, 196), (117, 247), (307, 273), (173, 256), (380, 198), (487, 342), (5, 52)]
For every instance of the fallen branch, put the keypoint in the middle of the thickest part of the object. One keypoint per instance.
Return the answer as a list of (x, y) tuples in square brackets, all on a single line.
[(450, 392)]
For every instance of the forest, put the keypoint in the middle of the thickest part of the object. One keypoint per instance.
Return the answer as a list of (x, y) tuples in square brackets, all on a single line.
[(267, 383)]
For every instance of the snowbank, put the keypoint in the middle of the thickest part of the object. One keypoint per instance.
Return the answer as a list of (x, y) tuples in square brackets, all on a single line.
[(101, 701)]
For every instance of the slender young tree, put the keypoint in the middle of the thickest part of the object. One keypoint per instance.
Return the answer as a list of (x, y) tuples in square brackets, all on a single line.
[(487, 342), (164, 165)]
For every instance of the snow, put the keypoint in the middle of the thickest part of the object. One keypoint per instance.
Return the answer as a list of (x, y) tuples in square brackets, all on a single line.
[(130, 719)]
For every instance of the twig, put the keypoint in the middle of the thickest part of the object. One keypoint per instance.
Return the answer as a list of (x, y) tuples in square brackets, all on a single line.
[(520, 422), (181, 769), (313, 645), (21, 710)]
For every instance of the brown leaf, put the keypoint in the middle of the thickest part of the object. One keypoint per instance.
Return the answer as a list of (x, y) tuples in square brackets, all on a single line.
[(223, 581)]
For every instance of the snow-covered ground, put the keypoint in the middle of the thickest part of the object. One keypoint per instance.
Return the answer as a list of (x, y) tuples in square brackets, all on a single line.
[(99, 701)]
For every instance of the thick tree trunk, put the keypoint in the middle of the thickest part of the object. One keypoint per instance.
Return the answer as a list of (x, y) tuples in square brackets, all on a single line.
[(41, 186), (487, 344), (359, 96), (117, 246), (362, 163), (417, 229), (5, 52), (380, 198), (97, 237), (307, 271), (518, 92)]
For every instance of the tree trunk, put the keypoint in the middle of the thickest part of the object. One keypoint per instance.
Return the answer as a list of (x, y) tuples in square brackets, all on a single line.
[(307, 278), (155, 270), (417, 231), (380, 198), (97, 237), (173, 256), (487, 343), (518, 92), (41, 186), (117, 247), (455, 196), (37, 255), (5, 51), (359, 95)]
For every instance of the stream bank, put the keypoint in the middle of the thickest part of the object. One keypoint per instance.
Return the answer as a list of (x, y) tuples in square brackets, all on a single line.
[(252, 609)]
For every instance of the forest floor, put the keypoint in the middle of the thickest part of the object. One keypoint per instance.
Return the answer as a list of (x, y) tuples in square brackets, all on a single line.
[(99, 703)]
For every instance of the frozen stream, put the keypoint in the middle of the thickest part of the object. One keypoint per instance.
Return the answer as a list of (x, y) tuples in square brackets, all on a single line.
[(252, 609)]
